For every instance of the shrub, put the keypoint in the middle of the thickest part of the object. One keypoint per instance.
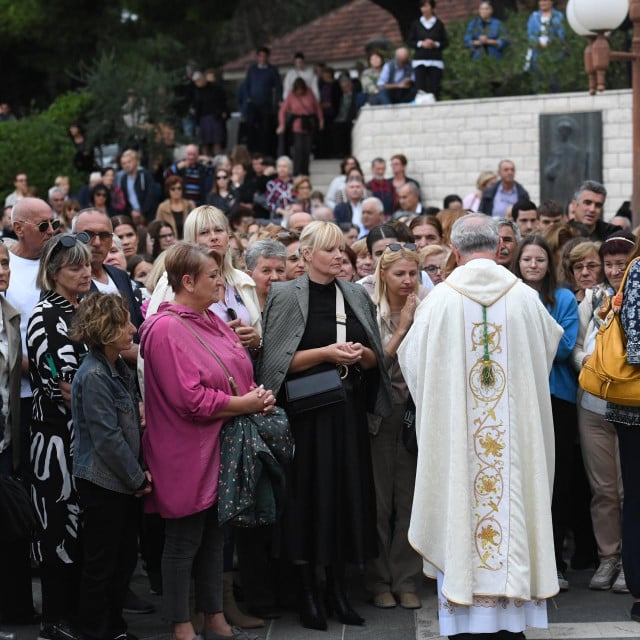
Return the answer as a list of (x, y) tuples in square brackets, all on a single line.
[(40, 145), (560, 69)]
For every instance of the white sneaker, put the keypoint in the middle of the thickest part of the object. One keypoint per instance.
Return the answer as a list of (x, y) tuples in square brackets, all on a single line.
[(563, 582), (620, 585), (605, 574)]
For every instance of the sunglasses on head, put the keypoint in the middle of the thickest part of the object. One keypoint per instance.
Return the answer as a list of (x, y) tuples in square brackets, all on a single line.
[(399, 246), (44, 225), (69, 241)]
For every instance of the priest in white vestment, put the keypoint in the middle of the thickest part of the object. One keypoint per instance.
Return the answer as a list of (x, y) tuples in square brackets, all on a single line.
[(477, 362)]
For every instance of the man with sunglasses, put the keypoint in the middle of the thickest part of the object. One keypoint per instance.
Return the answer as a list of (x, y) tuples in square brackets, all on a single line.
[(104, 277), (33, 225)]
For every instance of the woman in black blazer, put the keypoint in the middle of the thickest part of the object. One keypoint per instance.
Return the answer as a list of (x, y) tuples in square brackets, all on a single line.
[(428, 37), (329, 518)]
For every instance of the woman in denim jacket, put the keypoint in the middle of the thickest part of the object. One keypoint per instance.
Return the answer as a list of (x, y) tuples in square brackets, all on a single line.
[(107, 466)]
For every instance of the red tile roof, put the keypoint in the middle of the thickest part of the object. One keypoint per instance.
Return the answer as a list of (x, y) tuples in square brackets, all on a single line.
[(339, 35)]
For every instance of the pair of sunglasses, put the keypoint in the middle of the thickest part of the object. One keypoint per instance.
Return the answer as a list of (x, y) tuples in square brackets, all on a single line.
[(399, 246), (44, 225)]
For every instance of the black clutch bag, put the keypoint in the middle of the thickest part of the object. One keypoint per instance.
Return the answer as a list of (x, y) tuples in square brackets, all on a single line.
[(314, 391)]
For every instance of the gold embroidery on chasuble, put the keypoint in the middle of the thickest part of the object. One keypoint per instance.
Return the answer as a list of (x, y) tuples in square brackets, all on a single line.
[(487, 410)]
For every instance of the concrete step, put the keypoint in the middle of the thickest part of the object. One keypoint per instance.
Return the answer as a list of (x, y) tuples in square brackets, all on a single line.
[(323, 172)]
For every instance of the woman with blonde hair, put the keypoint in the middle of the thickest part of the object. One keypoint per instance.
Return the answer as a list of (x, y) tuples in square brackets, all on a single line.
[(471, 202), (238, 303), (329, 517), (433, 258), (396, 295)]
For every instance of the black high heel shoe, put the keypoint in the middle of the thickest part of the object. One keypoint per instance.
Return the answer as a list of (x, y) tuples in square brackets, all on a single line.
[(312, 614), (337, 601)]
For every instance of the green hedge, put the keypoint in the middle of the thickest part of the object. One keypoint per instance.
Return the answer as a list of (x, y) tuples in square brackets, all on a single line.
[(40, 145), (559, 69)]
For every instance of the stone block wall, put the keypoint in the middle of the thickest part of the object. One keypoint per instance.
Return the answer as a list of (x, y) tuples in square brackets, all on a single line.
[(449, 143)]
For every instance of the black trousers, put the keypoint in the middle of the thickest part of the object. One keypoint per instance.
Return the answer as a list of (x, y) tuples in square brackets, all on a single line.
[(301, 153), (629, 443), (428, 79), (110, 535), (60, 584), (16, 599), (254, 546), (565, 429)]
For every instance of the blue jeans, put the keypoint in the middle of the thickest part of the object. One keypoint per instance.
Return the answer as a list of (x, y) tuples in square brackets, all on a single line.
[(629, 444)]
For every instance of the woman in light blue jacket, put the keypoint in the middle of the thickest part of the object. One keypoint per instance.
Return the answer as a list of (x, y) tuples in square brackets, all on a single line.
[(545, 31)]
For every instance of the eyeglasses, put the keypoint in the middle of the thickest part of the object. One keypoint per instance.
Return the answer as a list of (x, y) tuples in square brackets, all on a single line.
[(69, 241), (99, 194), (590, 266), (103, 235), (399, 246), (432, 269), (44, 225), (222, 177)]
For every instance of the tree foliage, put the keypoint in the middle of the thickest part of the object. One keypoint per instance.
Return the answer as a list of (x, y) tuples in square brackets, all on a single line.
[(40, 144)]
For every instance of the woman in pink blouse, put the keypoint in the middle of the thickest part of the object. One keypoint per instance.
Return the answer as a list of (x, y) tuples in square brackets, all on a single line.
[(302, 112), (188, 399)]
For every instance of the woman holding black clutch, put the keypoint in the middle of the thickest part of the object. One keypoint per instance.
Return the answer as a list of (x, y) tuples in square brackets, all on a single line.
[(330, 514)]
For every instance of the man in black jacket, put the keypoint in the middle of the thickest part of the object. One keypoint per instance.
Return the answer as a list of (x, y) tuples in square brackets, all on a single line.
[(106, 278), (503, 194), (589, 205)]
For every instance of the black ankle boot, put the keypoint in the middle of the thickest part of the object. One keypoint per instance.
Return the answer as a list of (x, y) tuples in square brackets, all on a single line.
[(312, 614), (337, 601)]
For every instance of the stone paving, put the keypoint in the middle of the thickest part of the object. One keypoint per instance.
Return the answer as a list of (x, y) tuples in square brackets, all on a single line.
[(578, 614)]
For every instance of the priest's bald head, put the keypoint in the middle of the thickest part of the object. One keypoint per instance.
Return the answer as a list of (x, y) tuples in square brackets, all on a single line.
[(475, 236)]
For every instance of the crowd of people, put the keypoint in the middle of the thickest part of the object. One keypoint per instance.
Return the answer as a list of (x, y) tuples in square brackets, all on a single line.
[(221, 312), (146, 312), (314, 106)]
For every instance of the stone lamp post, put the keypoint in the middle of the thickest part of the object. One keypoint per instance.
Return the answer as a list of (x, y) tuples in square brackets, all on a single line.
[(594, 19)]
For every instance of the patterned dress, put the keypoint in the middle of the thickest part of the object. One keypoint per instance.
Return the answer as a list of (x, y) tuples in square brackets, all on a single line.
[(53, 357)]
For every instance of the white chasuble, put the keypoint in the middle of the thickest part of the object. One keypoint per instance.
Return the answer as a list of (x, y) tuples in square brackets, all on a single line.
[(489, 459), (481, 513)]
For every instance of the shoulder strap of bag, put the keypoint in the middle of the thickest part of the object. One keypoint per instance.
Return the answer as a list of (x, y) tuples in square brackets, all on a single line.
[(230, 378), (617, 300), (341, 317)]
